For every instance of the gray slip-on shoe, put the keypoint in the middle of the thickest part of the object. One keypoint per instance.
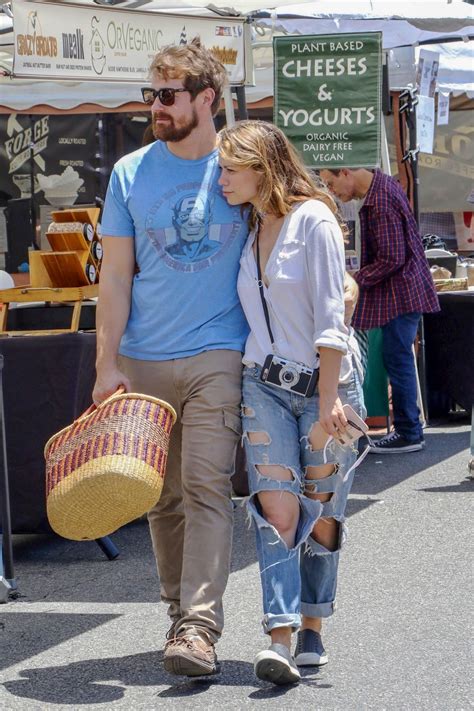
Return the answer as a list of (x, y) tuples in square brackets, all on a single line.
[(276, 664)]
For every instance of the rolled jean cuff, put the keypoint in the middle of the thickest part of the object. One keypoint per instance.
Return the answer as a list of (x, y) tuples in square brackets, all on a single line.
[(322, 609), (271, 622)]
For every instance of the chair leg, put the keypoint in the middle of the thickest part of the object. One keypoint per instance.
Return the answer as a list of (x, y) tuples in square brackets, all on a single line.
[(7, 581), (109, 548), (470, 465), (5, 589)]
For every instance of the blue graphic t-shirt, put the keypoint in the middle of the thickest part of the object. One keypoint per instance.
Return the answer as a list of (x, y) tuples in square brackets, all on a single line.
[(188, 242)]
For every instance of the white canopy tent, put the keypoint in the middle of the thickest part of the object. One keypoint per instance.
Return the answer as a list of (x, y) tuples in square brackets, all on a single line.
[(403, 24)]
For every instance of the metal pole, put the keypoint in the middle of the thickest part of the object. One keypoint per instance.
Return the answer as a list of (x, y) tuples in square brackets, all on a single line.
[(413, 148), (416, 210), (32, 184), (229, 106), (242, 112), (410, 117), (6, 570)]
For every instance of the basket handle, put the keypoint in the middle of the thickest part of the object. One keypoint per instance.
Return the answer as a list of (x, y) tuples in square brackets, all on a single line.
[(94, 407)]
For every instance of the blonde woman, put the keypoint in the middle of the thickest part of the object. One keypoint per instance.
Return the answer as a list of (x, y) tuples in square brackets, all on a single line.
[(291, 286)]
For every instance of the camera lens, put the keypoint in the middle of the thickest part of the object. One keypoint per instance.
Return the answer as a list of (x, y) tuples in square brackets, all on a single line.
[(288, 376)]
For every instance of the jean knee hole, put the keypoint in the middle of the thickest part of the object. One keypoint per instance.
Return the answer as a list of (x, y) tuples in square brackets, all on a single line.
[(314, 469)]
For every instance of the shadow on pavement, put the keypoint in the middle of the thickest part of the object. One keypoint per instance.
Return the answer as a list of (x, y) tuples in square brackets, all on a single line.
[(466, 485), (23, 635), (51, 568), (383, 471), (309, 679), (97, 681)]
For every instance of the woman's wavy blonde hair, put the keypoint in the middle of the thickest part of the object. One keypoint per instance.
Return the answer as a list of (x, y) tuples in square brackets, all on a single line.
[(262, 146)]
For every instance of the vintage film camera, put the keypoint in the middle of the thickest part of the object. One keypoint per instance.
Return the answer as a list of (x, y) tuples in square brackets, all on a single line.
[(290, 375)]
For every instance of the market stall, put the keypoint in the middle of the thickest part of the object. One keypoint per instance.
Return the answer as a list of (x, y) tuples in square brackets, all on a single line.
[(23, 98)]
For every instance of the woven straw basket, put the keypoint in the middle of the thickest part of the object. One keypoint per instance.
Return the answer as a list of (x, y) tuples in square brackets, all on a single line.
[(107, 468)]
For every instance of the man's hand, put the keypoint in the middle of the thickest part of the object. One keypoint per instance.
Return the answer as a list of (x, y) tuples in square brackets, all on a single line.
[(107, 384)]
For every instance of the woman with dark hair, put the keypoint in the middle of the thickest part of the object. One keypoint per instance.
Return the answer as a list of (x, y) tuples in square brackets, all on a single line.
[(291, 285)]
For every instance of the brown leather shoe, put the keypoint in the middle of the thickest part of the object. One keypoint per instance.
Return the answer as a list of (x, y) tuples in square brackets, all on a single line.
[(171, 634), (190, 655)]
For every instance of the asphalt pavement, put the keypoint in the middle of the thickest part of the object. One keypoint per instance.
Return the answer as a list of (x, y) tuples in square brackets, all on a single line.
[(87, 633)]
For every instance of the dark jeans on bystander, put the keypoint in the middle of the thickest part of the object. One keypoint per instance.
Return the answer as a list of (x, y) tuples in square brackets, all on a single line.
[(398, 337)]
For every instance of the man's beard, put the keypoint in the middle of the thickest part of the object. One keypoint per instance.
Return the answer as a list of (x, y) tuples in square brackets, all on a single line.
[(172, 133)]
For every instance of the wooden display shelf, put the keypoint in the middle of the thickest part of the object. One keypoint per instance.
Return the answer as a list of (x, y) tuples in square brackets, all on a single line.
[(63, 269), (72, 295), (67, 241), (77, 214), (71, 259)]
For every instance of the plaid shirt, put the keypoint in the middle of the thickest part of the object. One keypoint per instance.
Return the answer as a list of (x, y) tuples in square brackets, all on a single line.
[(394, 277)]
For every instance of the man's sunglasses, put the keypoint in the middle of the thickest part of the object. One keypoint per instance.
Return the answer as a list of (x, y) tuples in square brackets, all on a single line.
[(165, 96)]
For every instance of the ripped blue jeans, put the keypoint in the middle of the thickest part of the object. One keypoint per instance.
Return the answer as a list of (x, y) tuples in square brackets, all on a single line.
[(300, 580)]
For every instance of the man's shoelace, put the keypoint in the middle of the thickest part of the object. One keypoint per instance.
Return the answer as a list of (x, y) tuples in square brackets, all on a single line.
[(189, 643), (180, 641), (170, 635), (389, 438)]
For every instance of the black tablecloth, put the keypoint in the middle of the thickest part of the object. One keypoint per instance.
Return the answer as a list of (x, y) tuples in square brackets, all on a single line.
[(41, 318), (449, 338), (47, 383)]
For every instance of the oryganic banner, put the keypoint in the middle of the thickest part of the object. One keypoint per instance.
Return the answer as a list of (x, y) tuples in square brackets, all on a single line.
[(80, 42), (327, 97)]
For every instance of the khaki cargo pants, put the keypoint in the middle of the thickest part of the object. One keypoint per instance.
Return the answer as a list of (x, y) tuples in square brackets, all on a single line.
[(191, 526)]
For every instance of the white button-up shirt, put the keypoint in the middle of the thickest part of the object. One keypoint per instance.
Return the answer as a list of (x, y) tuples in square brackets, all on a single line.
[(305, 293)]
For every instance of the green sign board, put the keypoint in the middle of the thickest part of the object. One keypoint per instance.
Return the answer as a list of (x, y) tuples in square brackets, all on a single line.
[(327, 97)]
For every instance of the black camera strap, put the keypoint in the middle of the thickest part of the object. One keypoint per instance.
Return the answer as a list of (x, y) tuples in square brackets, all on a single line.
[(260, 288)]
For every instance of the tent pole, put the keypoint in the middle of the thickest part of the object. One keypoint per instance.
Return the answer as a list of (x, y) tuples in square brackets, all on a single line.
[(242, 112), (229, 106), (32, 181), (385, 155), (409, 109)]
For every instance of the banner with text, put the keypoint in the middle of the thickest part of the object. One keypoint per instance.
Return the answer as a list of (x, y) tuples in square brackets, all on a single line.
[(327, 97), (79, 42), (47, 145)]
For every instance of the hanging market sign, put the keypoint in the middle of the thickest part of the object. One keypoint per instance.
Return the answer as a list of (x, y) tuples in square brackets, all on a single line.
[(47, 145), (327, 97), (78, 42)]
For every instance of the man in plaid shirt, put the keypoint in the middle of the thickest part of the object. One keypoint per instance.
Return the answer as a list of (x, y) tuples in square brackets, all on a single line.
[(396, 287)]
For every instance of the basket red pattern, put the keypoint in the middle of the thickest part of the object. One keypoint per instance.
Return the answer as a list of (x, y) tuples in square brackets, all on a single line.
[(107, 468)]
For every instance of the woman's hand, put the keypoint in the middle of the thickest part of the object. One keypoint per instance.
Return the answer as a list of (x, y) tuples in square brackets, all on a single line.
[(331, 416)]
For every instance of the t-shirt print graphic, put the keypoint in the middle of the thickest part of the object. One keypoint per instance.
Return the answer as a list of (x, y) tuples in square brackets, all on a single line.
[(196, 237)]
